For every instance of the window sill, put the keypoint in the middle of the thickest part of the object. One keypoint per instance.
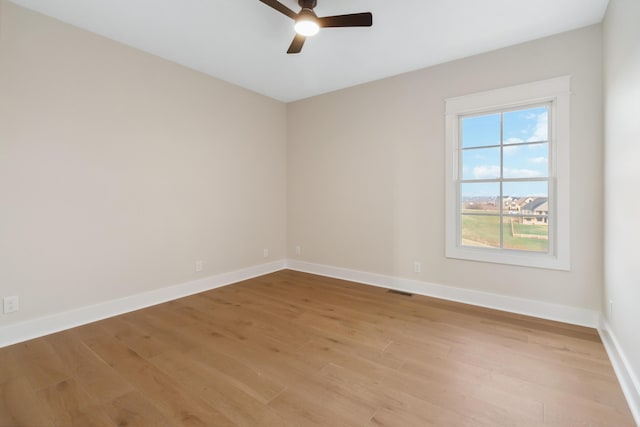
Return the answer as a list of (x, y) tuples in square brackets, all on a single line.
[(505, 256)]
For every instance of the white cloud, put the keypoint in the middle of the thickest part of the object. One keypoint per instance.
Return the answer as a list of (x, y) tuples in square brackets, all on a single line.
[(521, 173), (541, 130), (539, 160), (486, 171), (510, 149), (493, 171)]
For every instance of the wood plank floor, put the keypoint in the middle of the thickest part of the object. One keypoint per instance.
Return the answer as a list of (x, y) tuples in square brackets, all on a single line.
[(294, 349)]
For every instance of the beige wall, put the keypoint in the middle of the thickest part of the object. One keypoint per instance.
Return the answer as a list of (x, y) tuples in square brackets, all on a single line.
[(622, 175), (366, 172), (118, 170)]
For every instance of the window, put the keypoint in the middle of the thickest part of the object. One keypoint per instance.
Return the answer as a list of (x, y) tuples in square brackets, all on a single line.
[(508, 175)]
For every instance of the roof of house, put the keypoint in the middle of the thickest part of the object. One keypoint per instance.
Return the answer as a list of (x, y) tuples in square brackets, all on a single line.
[(524, 200), (535, 204)]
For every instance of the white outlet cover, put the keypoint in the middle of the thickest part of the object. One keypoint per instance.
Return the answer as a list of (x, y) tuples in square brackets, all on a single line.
[(11, 304)]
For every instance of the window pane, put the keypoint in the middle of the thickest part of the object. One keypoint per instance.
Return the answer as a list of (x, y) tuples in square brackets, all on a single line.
[(520, 191), (481, 230), (480, 131), (480, 197), (527, 227), (481, 163), (524, 236), (528, 125), (480, 209), (526, 161)]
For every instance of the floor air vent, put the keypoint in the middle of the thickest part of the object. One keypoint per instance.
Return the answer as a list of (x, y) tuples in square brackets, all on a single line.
[(406, 294)]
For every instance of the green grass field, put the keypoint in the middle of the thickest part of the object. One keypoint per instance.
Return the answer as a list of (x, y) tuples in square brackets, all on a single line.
[(538, 230), (483, 230)]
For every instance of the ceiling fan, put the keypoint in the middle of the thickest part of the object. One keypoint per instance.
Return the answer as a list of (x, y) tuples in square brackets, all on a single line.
[(308, 24)]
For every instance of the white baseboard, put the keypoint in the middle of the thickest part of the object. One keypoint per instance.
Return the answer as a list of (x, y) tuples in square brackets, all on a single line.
[(23, 331), (629, 381), (544, 310)]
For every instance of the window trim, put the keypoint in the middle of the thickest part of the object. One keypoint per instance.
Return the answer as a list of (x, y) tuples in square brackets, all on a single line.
[(557, 92)]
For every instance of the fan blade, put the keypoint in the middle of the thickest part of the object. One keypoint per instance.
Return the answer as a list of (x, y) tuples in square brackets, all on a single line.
[(352, 20), (280, 8), (296, 44)]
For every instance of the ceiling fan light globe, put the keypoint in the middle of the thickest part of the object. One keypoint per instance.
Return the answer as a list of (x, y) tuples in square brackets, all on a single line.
[(306, 27)]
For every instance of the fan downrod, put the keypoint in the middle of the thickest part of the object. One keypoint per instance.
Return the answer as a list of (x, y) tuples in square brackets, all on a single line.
[(307, 4)]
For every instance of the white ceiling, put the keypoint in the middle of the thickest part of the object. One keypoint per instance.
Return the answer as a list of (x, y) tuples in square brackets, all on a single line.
[(245, 41)]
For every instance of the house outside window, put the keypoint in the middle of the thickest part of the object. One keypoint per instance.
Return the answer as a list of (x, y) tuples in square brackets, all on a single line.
[(508, 175)]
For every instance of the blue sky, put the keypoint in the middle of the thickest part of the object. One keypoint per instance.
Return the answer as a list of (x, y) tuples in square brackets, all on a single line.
[(524, 155)]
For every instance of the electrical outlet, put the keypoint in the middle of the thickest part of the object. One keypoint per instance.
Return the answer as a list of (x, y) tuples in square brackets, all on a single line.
[(417, 267), (11, 304), (265, 253), (298, 250), (198, 266)]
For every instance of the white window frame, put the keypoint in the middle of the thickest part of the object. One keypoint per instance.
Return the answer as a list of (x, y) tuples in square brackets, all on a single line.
[(555, 91)]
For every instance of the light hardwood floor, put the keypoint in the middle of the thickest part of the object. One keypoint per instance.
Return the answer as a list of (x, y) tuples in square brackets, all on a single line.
[(294, 349)]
